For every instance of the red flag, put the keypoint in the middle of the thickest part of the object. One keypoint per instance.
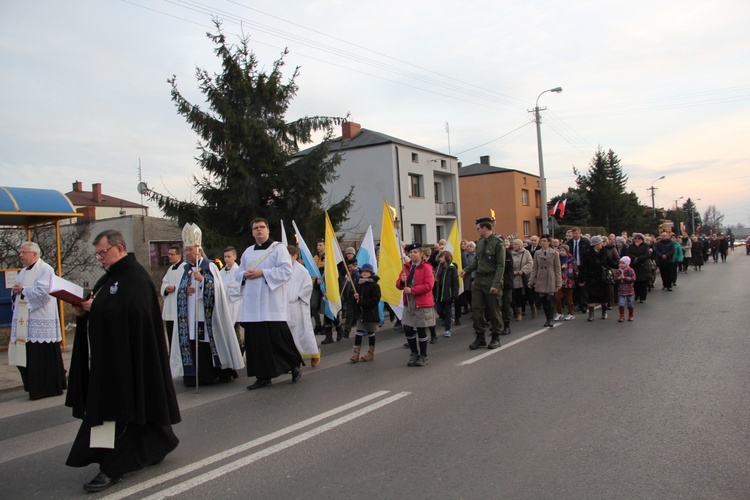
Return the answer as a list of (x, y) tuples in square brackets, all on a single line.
[(562, 207), (554, 209)]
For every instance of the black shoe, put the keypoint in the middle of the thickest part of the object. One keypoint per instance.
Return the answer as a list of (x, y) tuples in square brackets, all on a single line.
[(457, 322), (479, 342), (669, 289), (327, 340), (550, 324), (494, 343), (259, 384), (101, 482), (506, 331), (413, 359), (296, 374), (433, 340)]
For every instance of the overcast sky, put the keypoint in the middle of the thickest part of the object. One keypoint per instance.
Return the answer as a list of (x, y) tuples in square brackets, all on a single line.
[(666, 85)]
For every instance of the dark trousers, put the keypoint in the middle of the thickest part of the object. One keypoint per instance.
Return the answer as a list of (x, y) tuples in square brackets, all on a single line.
[(444, 310), (483, 304), (665, 269)]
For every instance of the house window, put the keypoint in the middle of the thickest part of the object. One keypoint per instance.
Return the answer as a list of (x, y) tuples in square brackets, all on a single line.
[(415, 186), (526, 228), (524, 180), (438, 192), (538, 199), (415, 157), (525, 197), (417, 233), (443, 164), (439, 232)]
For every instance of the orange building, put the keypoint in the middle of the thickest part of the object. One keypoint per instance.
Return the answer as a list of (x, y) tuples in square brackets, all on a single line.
[(514, 196)]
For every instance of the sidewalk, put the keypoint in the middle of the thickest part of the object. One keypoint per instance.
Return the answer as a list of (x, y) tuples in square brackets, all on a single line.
[(10, 379)]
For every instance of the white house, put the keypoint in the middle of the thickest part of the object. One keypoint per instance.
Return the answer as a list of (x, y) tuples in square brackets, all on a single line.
[(420, 183)]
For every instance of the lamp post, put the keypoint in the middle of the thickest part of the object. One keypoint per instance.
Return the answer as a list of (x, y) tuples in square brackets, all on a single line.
[(652, 189), (692, 212), (542, 181), (677, 213)]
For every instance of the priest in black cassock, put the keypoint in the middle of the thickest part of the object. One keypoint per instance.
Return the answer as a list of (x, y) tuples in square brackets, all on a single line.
[(120, 383)]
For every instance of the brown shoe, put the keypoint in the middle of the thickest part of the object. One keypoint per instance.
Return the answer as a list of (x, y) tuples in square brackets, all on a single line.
[(370, 354), (355, 355)]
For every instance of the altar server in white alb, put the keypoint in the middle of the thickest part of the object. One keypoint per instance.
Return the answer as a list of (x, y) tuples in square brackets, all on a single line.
[(202, 305), (271, 351), (231, 276), (35, 329), (169, 289), (299, 290)]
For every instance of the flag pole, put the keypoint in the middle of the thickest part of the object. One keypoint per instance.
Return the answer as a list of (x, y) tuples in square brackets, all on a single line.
[(195, 298)]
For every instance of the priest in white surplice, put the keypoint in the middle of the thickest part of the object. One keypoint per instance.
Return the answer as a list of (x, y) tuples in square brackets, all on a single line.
[(299, 290), (202, 304), (271, 351), (169, 289), (35, 329)]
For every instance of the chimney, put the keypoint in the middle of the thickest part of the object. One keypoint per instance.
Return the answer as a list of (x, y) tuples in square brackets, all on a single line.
[(96, 192), (89, 213), (349, 130), (460, 165), (484, 160), (78, 186)]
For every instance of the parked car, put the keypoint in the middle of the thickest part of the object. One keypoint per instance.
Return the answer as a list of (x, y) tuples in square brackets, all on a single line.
[(747, 245)]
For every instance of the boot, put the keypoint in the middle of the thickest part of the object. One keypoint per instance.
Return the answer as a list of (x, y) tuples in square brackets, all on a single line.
[(494, 343), (355, 354), (622, 314), (339, 333), (329, 335), (370, 354), (604, 313), (478, 342), (318, 330), (631, 314), (519, 316), (591, 314)]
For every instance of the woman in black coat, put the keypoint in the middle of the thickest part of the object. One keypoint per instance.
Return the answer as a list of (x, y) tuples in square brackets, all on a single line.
[(594, 262), (640, 260)]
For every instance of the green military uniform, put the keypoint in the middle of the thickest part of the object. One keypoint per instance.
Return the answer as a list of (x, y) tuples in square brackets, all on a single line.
[(488, 267)]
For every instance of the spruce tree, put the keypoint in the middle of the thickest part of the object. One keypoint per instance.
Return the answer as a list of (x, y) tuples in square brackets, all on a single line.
[(245, 152)]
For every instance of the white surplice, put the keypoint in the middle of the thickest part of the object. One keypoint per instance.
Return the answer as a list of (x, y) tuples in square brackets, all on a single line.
[(44, 320), (172, 277), (264, 298), (299, 290), (232, 279)]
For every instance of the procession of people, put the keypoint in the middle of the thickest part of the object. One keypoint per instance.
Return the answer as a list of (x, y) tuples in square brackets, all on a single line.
[(130, 346)]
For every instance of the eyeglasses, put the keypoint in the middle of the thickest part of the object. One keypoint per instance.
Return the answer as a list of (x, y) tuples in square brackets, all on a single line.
[(103, 253), (172, 254)]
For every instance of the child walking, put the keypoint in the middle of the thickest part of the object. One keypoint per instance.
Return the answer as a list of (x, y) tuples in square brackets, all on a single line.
[(367, 295), (569, 271), (624, 278), (446, 286)]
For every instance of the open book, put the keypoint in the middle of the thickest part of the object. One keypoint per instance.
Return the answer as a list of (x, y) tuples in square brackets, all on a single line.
[(65, 290)]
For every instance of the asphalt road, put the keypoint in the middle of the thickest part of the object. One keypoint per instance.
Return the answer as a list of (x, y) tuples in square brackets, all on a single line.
[(657, 408)]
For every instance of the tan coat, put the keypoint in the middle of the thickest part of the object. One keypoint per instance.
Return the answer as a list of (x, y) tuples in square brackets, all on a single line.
[(546, 275)]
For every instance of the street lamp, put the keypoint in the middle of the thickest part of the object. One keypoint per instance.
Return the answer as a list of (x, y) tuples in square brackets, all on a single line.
[(652, 188), (542, 181), (677, 213), (692, 212)]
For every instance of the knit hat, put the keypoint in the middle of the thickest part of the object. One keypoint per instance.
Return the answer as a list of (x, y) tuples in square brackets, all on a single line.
[(626, 260), (350, 250), (595, 240), (367, 267)]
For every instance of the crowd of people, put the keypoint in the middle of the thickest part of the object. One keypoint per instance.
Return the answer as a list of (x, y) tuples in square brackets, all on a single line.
[(262, 312)]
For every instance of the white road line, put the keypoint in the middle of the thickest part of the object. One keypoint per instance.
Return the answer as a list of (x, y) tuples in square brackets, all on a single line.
[(493, 351), (239, 449), (242, 462)]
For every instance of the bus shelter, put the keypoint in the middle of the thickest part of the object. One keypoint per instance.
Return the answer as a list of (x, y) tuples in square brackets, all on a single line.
[(27, 209)]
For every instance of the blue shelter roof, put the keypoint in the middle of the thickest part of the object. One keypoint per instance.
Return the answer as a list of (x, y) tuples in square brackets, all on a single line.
[(29, 207)]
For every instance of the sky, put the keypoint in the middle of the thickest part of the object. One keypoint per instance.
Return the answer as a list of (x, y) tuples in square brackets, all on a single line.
[(665, 85)]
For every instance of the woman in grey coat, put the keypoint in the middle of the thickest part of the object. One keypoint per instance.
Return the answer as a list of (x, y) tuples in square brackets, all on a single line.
[(546, 277)]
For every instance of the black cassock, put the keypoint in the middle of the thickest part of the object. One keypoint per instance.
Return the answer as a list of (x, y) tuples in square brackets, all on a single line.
[(129, 380)]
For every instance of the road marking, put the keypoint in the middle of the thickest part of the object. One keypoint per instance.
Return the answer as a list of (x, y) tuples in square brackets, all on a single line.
[(243, 462), (243, 447), (506, 346)]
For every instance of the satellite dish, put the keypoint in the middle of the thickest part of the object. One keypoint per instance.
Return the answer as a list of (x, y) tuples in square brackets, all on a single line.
[(142, 188)]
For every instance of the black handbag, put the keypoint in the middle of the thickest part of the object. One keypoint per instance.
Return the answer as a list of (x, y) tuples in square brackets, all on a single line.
[(607, 276)]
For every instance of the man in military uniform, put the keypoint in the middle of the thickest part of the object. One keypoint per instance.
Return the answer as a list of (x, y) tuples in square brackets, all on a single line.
[(487, 291)]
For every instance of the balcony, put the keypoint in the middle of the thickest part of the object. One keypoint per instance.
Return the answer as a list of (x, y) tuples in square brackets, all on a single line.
[(446, 208)]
